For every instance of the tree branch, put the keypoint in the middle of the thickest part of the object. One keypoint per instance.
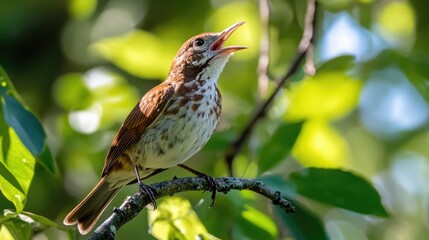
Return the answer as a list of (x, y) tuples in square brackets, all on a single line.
[(134, 204), (303, 49)]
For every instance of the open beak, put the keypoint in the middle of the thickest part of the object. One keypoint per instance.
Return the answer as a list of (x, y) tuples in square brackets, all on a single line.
[(218, 44)]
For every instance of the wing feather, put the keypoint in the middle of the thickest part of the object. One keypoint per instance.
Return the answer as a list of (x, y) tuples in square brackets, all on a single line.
[(143, 115)]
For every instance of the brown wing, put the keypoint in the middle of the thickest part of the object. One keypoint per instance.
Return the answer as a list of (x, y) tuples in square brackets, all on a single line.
[(143, 115)]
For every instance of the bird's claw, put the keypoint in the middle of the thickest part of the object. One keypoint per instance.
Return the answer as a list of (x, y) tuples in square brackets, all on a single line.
[(213, 186), (150, 192)]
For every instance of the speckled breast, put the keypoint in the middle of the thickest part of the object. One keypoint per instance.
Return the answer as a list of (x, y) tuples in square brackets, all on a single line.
[(183, 128)]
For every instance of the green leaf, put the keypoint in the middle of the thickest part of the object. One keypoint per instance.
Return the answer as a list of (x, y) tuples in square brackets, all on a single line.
[(46, 222), (279, 145), (421, 64), (320, 145), (326, 95), (139, 53), (16, 167), (10, 188), (303, 224), (36, 222), (250, 229), (5, 234), (261, 221), (82, 9), (18, 229), (25, 123), (280, 184), (417, 72), (47, 161), (340, 63), (175, 219), (70, 87), (339, 188), (416, 68)]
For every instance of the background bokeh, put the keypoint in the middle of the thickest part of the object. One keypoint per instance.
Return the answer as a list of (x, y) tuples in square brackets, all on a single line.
[(82, 65)]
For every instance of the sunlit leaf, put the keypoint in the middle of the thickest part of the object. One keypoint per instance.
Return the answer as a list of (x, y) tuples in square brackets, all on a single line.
[(339, 188), (328, 95), (5, 234), (24, 123), (17, 228), (47, 160), (10, 188), (43, 222), (108, 98), (320, 145), (82, 8), (139, 53), (260, 220), (116, 102), (175, 219), (16, 166), (24, 223), (245, 168), (303, 224), (245, 36), (394, 26), (245, 229), (70, 92), (279, 145)]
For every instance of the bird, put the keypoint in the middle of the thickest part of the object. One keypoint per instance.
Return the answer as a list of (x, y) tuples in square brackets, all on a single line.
[(170, 124)]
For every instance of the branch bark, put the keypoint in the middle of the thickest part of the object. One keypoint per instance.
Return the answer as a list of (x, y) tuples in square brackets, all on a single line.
[(134, 204), (305, 48)]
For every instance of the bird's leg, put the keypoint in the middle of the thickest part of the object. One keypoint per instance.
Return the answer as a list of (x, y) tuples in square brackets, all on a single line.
[(148, 190), (209, 179)]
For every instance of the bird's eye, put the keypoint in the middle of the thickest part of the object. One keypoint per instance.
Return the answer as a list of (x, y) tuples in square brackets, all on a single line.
[(199, 42)]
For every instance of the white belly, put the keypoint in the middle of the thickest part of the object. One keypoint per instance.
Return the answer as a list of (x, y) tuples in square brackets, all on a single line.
[(174, 140)]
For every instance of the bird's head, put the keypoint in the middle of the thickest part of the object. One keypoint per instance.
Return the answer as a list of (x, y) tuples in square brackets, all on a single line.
[(204, 55)]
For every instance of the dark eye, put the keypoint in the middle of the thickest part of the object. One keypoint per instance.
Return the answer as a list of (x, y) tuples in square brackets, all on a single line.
[(199, 42)]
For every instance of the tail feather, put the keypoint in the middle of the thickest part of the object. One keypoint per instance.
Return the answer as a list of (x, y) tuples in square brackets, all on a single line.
[(87, 212)]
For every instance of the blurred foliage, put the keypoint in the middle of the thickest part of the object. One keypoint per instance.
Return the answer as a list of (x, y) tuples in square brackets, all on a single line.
[(350, 191), (175, 219), (351, 139)]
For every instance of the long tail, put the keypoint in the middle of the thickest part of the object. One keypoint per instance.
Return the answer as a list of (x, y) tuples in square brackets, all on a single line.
[(87, 212)]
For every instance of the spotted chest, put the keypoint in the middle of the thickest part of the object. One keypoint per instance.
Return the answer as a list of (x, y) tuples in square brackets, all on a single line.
[(183, 128)]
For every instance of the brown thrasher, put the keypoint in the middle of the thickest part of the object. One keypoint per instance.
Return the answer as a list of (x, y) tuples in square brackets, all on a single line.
[(170, 124)]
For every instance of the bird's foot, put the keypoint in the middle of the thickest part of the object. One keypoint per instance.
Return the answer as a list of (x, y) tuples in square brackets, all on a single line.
[(213, 186), (150, 192), (211, 181)]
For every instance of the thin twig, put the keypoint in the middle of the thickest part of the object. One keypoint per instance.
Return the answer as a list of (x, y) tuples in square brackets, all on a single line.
[(134, 204), (309, 67), (310, 19), (303, 47), (264, 47)]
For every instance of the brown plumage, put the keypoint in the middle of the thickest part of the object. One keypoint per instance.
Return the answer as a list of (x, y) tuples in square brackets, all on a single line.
[(171, 123)]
